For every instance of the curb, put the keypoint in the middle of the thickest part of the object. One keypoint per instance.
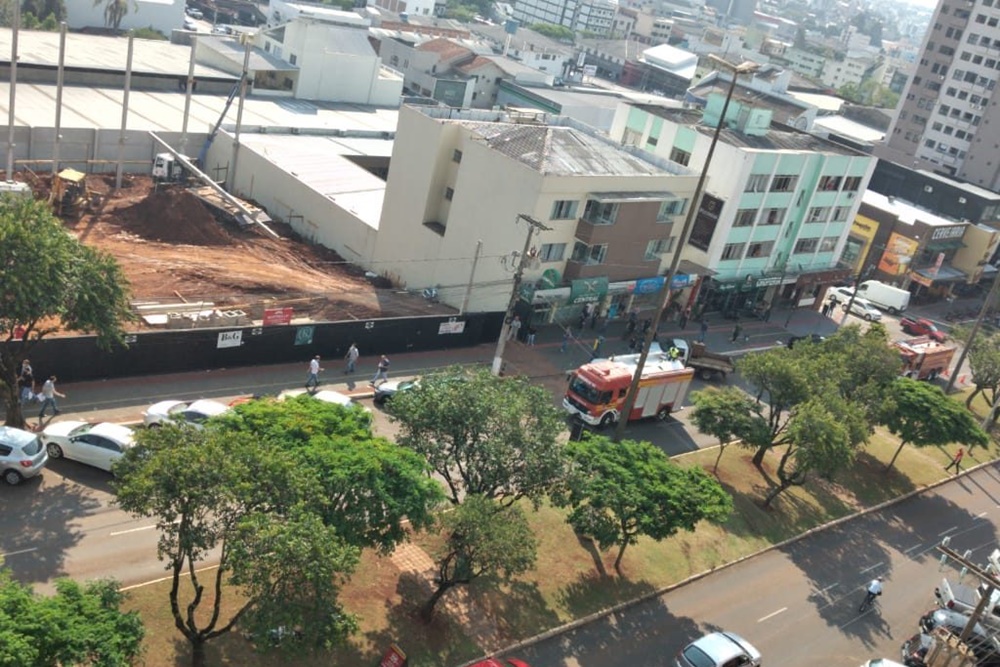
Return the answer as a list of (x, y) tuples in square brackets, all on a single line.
[(622, 606)]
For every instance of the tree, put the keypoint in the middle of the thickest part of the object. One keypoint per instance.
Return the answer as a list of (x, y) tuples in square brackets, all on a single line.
[(369, 488), (727, 414), (250, 503), (51, 281), (115, 11), (620, 491), (921, 414), (485, 540), (783, 380), (984, 360), (557, 32), (79, 625), (484, 435), (45, 8), (822, 438)]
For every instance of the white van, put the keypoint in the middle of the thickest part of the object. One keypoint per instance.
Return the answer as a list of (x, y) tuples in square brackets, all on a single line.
[(893, 299)]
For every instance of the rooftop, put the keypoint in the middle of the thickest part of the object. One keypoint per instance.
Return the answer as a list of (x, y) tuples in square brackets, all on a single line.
[(904, 211), (102, 53), (784, 107), (230, 49), (523, 40), (445, 48), (849, 128)]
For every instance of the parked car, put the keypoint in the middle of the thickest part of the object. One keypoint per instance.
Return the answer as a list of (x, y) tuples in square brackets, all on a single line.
[(98, 445), (194, 13), (189, 24), (385, 391), (813, 338), (192, 412), (21, 455), (719, 649), (915, 649), (840, 294), (922, 327), (865, 310)]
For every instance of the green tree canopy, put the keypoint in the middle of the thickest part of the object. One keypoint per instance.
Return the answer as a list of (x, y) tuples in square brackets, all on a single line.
[(728, 414), (79, 625), (921, 414), (558, 32), (485, 540), (984, 360), (484, 435), (619, 491), (50, 280), (250, 503), (368, 487)]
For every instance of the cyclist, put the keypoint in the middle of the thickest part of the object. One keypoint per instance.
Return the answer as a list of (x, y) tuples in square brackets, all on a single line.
[(873, 590)]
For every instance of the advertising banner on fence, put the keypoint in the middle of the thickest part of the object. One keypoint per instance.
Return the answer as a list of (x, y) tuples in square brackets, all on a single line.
[(273, 316), (230, 339)]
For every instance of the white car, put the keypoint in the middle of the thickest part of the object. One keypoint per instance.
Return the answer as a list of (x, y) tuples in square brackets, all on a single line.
[(719, 649), (98, 445), (840, 294), (865, 310), (21, 455), (193, 412)]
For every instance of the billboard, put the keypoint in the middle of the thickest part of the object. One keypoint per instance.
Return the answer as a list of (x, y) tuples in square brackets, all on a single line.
[(898, 255)]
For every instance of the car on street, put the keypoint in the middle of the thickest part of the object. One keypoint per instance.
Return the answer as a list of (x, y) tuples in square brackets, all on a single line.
[(918, 326), (840, 294), (719, 649), (385, 391), (813, 338), (980, 640), (98, 445), (191, 412), (22, 455), (865, 310), (189, 24)]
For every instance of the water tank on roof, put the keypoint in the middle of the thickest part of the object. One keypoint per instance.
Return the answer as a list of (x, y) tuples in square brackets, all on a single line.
[(510, 26)]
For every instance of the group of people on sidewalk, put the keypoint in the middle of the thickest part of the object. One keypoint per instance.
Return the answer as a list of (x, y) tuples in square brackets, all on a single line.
[(351, 362), (47, 396)]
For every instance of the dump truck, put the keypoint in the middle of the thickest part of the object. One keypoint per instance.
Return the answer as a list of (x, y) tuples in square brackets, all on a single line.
[(709, 364), (924, 358)]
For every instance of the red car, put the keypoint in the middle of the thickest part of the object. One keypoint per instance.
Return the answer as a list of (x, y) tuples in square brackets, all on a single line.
[(922, 327), (501, 662)]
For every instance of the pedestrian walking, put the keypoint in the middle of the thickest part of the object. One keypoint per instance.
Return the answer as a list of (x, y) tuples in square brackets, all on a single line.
[(646, 323), (827, 308), (352, 358), (703, 331), (595, 350), (515, 328), (382, 373), (593, 317), (565, 340), (312, 379), (531, 335), (956, 461), (737, 330), (26, 382), (685, 316), (767, 312), (49, 393), (633, 343)]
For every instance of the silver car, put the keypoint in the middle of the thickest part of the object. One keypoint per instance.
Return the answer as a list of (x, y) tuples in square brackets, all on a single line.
[(21, 455), (719, 649), (865, 310)]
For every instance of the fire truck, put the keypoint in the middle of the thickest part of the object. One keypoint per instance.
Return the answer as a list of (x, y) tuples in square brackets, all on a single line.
[(924, 358), (597, 390)]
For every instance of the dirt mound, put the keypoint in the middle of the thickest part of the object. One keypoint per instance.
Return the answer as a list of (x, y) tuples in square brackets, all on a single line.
[(173, 215)]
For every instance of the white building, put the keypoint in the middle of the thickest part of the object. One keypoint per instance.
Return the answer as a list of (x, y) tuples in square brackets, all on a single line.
[(162, 15), (596, 16)]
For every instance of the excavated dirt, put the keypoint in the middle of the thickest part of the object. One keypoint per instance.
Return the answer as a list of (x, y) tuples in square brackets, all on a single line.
[(172, 248)]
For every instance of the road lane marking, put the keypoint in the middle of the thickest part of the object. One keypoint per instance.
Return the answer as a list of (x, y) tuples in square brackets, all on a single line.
[(981, 515), (915, 546), (771, 615), (131, 530), (952, 529), (823, 591), (162, 579), (878, 564), (19, 552)]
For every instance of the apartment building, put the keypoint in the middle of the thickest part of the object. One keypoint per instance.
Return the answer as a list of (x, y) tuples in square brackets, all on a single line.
[(461, 179), (595, 16), (778, 203), (948, 119)]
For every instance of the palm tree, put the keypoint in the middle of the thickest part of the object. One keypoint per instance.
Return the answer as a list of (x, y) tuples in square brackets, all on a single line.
[(115, 11)]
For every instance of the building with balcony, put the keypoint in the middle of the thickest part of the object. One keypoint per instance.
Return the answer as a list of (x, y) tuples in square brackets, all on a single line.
[(459, 180), (778, 202)]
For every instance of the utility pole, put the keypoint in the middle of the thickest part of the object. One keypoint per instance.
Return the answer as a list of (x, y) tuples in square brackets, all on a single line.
[(633, 389), (515, 290), (57, 139), (124, 129), (972, 335), (244, 83), (472, 278), (13, 90)]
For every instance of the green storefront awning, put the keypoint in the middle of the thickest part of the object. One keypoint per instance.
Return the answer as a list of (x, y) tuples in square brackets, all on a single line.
[(947, 244), (588, 290)]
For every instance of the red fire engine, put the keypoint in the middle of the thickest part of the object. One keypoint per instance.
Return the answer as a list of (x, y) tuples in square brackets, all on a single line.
[(924, 358)]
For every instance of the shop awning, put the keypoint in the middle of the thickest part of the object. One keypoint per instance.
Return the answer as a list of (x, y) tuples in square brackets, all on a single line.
[(623, 197), (945, 274), (690, 268), (947, 244)]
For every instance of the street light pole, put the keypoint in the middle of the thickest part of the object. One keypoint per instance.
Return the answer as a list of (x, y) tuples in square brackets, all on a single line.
[(633, 389), (972, 334), (515, 291)]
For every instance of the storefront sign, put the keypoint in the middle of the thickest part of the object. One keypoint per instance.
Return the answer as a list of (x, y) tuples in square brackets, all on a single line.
[(898, 255), (230, 339), (942, 233), (705, 222), (649, 285), (768, 281), (273, 316), (920, 280), (588, 290), (682, 280)]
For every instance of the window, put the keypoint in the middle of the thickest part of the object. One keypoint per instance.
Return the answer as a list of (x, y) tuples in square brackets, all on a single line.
[(600, 213), (803, 246), (936, 127), (733, 251), (670, 208), (973, 38), (929, 143), (759, 249), (773, 216), (456, 156), (840, 214), (934, 87), (292, 59), (756, 183), (657, 247), (745, 217), (818, 214), (784, 183), (852, 183), (946, 50), (680, 157), (589, 254), (564, 209), (828, 244), (828, 183), (449, 193), (552, 252)]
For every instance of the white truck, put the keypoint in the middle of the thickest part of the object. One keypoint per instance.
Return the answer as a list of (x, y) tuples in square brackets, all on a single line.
[(887, 297), (964, 599)]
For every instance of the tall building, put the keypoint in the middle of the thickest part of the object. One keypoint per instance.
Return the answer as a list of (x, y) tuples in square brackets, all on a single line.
[(949, 119), (595, 16)]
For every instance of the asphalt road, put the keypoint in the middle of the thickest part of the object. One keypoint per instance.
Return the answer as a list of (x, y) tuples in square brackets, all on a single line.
[(798, 605)]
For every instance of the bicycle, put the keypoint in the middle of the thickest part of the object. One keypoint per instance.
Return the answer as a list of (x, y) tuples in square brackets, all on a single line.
[(868, 602)]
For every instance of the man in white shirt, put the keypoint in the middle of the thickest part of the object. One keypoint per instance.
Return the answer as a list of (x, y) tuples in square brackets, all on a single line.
[(49, 394), (352, 357), (312, 381)]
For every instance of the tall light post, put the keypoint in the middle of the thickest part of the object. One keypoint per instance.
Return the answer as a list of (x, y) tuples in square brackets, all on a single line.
[(633, 389)]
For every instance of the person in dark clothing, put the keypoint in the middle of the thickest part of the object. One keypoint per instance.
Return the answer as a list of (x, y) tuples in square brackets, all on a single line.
[(737, 330), (685, 315)]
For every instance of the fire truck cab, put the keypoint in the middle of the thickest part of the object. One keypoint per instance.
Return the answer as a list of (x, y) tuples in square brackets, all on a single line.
[(924, 358), (596, 392)]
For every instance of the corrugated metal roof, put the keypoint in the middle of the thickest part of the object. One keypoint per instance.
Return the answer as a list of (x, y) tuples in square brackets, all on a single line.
[(233, 51)]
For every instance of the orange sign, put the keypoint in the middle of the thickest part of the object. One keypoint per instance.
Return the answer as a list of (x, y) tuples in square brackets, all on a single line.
[(274, 316), (898, 255)]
